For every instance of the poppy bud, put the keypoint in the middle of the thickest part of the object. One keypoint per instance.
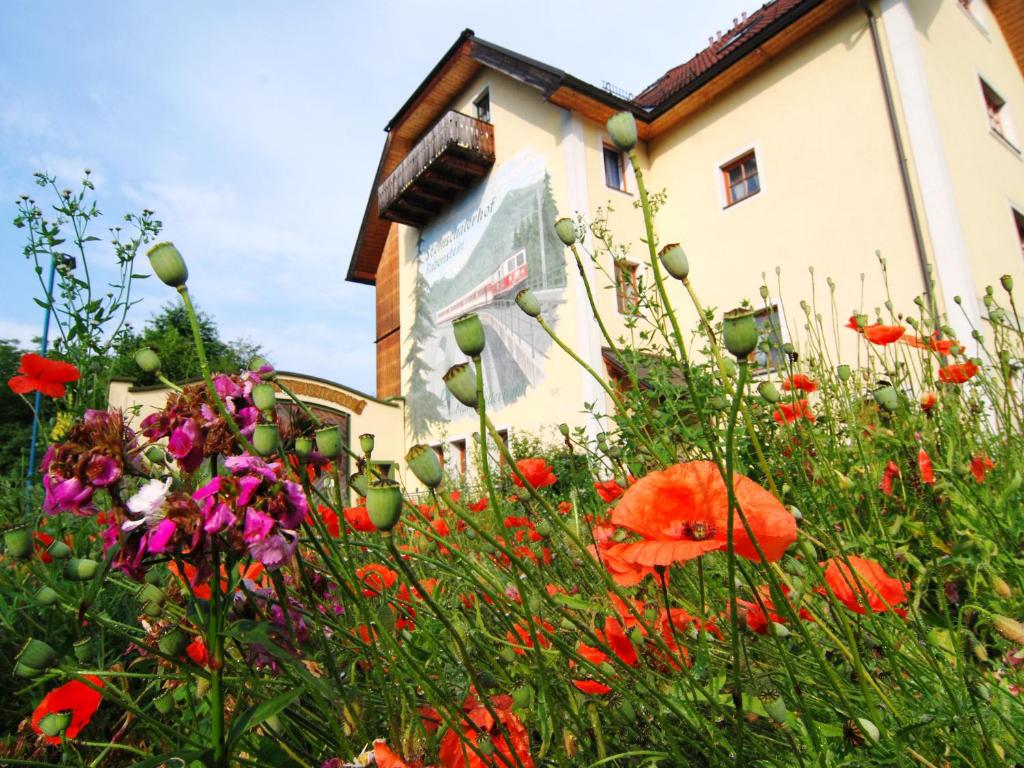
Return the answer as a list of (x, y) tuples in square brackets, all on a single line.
[(717, 402), (887, 397), (148, 360), (868, 729), (328, 442), (764, 292), (563, 428), (18, 542), (156, 455), (843, 372), (1001, 588), (543, 528), (1007, 283), (164, 703), (779, 630), (168, 264), (55, 723), (425, 465), (729, 367), (769, 392), (673, 258), (359, 483), (85, 649), (265, 438), (58, 550), (263, 396), (1009, 628), (739, 330), (528, 302), (384, 504), (522, 697), (461, 382), (173, 642), (46, 596), (469, 334), (258, 363), (303, 447), (80, 569), (566, 231), (37, 655), (622, 130)]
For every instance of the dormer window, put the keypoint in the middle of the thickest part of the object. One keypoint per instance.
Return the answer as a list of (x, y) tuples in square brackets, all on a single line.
[(482, 104)]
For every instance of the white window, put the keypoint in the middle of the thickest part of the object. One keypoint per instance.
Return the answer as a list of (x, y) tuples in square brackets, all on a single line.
[(741, 178), (614, 167), (768, 356), (482, 105), (999, 120)]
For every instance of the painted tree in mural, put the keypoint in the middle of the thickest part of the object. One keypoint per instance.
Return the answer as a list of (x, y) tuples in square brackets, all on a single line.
[(424, 406)]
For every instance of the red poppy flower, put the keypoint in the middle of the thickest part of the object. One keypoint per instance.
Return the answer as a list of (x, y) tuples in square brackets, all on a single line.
[(358, 518), (480, 505), (957, 373), (609, 552), (924, 466), (608, 490), (385, 757), (863, 585), (537, 473), (935, 344), (892, 471), (883, 334), (801, 382), (928, 401), (980, 466), (44, 540), (330, 518), (522, 639), (788, 413), (615, 638), (196, 651), (511, 738), (682, 512), (39, 374), (78, 698), (754, 613), (376, 578)]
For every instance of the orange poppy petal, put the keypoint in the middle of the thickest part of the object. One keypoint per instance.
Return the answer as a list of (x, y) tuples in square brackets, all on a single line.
[(651, 553)]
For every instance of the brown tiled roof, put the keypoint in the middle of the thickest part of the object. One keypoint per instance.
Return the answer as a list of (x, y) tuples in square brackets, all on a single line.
[(677, 78)]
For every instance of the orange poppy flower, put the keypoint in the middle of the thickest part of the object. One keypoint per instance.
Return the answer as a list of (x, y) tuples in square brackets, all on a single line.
[(376, 578), (892, 471), (682, 513), (608, 490), (358, 518), (480, 505), (385, 757), (863, 585), (928, 401), (883, 334), (789, 412), (754, 613), (522, 640), (801, 382), (614, 636), (78, 698), (924, 465), (39, 374), (537, 473), (511, 738), (935, 344), (980, 466), (957, 373)]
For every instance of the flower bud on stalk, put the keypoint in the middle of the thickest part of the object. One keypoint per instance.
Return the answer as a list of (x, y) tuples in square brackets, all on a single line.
[(1007, 283), (46, 596), (366, 443), (303, 447), (622, 130), (528, 302), (58, 550), (85, 650), (359, 483), (264, 397), (1009, 628), (328, 442), (843, 372), (675, 262), (566, 231), (173, 642), (18, 542), (168, 264), (425, 465), (739, 330), (769, 392), (156, 455), (148, 360), (80, 569), (563, 428), (259, 362), (461, 382), (469, 334), (36, 655), (164, 703), (265, 439), (384, 504), (887, 397), (1001, 588)]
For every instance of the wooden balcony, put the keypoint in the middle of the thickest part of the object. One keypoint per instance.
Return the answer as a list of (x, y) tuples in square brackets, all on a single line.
[(450, 158)]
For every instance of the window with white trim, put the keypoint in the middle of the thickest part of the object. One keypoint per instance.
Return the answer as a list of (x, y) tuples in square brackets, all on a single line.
[(741, 178)]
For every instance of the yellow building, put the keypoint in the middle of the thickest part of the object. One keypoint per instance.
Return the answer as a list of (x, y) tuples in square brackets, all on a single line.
[(812, 134)]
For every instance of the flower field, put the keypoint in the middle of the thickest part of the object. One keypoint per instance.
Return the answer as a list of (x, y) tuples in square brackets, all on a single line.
[(818, 565)]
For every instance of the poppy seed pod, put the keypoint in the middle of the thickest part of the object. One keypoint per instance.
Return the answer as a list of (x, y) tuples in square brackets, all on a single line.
[(887, 397), (85, 649), (843, 372), (425, 465), (36, 654), (173, 642), (674, 260), (622, 130), (263, 396), (156, 455), (303, 447), (265, 438), (461, 382), (148, 360), (359, 483), (80, 569), (168, 264), (739, 330), (164, 703), (774, 705), (528, 302), (58, 550), (328, 442), (55, 723), (566, 231), (366, 443), (769, 392), (469, 334), (384, 504), (258, 363), (18, 542), (46, 596)]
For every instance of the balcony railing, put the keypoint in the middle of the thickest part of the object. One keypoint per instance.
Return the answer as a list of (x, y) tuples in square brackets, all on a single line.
[(449, 159)]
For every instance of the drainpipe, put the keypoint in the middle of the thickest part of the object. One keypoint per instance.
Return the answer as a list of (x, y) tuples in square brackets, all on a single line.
[(901, 155)]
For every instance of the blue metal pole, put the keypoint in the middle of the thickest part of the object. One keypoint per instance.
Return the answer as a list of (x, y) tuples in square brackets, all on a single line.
[(39, 398)]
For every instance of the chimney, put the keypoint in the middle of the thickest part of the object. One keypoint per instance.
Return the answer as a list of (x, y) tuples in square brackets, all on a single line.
[(735, 22), (718, 35), (743, 16)]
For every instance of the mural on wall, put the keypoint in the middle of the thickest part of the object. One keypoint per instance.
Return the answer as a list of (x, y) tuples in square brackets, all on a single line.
[(476, 257)]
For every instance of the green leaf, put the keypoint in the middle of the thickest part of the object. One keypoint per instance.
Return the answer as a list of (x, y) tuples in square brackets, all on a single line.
[(187, 756), (257, 714)]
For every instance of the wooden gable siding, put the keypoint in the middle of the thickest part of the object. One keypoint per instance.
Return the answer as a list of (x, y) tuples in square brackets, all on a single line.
[(389, 368), (1010, 15)]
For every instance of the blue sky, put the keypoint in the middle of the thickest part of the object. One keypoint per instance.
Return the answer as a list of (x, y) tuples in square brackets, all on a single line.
[(254, 128)]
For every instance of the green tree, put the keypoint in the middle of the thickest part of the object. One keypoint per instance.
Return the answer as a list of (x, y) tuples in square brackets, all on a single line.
[(15, 416), (169, 333)]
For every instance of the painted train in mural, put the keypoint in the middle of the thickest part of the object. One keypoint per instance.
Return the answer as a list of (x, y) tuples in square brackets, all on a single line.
[(504, 282)]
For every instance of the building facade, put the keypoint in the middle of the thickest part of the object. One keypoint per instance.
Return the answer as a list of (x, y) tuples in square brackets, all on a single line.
[(812, 134)]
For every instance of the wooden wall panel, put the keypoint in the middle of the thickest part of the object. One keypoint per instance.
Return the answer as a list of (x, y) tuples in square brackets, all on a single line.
[(389, 368)]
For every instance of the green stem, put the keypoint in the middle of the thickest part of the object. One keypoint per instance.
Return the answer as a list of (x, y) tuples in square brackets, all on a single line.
[(485, 461), (215, 641)]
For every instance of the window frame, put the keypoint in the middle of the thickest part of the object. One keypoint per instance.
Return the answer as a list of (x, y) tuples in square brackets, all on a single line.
[(771, 366), (484, 95), (1017, 216), (998, 117), (727, 184), (623, 164), (621, 297), (459, 444)]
